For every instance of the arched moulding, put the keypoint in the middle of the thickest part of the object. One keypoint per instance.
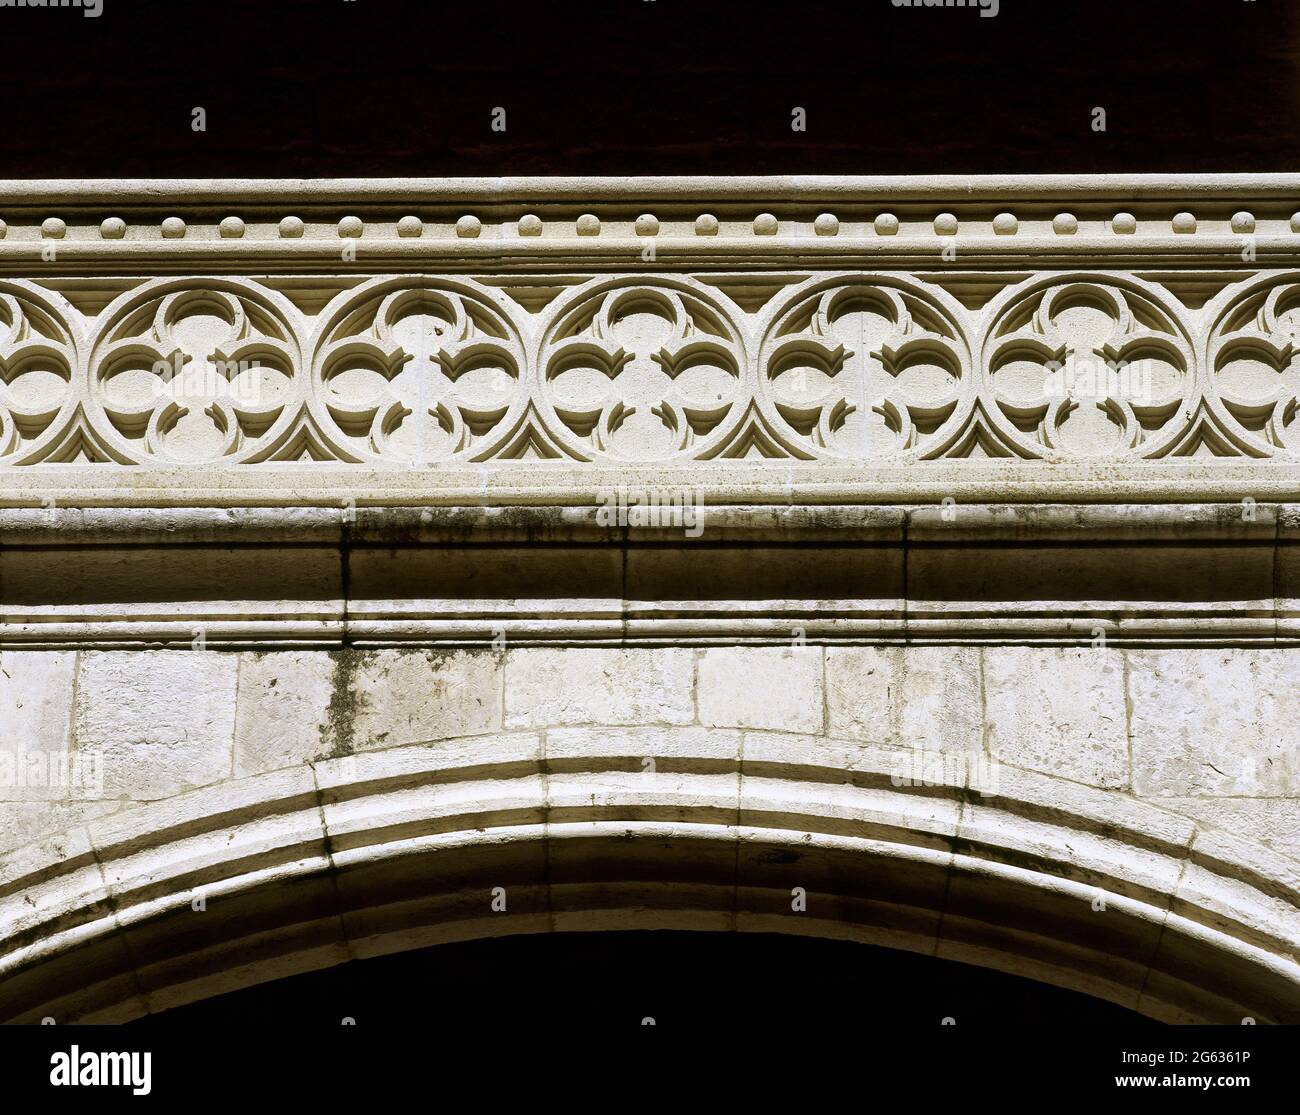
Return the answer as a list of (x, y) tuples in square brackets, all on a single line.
[(196, 371), (1253, 365), (402, 848), (41, 381), (414, 370), (865, 367), (644, 369), (1089, 366)]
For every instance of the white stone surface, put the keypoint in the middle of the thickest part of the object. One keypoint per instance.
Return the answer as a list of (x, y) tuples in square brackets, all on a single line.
[(926, 697), (1271, 821), (397, 697), (595, 686), (775, 688), (22, 822), (163, 722), (36, 690), (1058, 711), (284, 703), (1215, 722), (645, 749), (36, 698)]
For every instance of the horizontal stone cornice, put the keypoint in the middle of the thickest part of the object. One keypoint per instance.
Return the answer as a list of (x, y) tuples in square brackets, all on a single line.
[(1063, 574), (954, 189), (585, 486), (789, 523), (523, 224)]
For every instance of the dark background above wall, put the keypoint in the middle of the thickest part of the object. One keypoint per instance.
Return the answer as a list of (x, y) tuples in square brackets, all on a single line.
[(384, 87)]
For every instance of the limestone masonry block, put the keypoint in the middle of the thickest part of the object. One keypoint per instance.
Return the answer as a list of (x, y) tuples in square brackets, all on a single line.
[(163, 722), (35, 716), (776, 688), (598, 686), (1222, 722), (1271, 821), (1058, 710), (284, 703), (22, 822), (385, 698), (34, 687), (916, 697), (666, 747)]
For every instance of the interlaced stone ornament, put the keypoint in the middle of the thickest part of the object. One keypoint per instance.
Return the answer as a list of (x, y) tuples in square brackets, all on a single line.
[(412, 372), (864, 369), (415, 371), (194, 374), (642, 372), (1255, 385), (1081, 368), (37, 369)]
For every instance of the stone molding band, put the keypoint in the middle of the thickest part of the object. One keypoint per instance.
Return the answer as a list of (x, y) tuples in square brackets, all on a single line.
[(841, 322), (1132, 574), (122, 215), (644, 369)]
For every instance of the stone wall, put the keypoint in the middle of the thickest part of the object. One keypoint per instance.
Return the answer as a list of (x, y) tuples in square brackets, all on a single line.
[(906, 560), (1203, 732)]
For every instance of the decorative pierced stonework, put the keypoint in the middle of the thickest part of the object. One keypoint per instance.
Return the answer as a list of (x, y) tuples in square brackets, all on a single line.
[(420, 370), (413, 373), (833, 323), (37, 361), (1089, 368), (870, 368), (643, 372), (1255, 368), (185, 373)]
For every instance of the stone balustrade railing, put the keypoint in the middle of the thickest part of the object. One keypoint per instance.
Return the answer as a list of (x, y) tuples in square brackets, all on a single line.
[(859, 323)]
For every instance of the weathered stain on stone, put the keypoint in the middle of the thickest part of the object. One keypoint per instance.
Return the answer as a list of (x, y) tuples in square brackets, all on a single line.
[(338, 732)]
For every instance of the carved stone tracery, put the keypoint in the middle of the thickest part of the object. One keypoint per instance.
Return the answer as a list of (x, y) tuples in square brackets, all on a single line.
[(417, 370), (193, 373), (862, 369), (37, 388), (644, 371)]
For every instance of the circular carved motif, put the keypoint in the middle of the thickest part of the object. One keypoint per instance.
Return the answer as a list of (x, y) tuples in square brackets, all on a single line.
[(642, 372), (416, 370), (1255, 366), (864, 369), (419, 373), (1087, 369), (36, 377), (195, 374)]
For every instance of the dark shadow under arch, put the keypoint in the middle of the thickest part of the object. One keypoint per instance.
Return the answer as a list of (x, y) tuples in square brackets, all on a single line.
[(745, 982)]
